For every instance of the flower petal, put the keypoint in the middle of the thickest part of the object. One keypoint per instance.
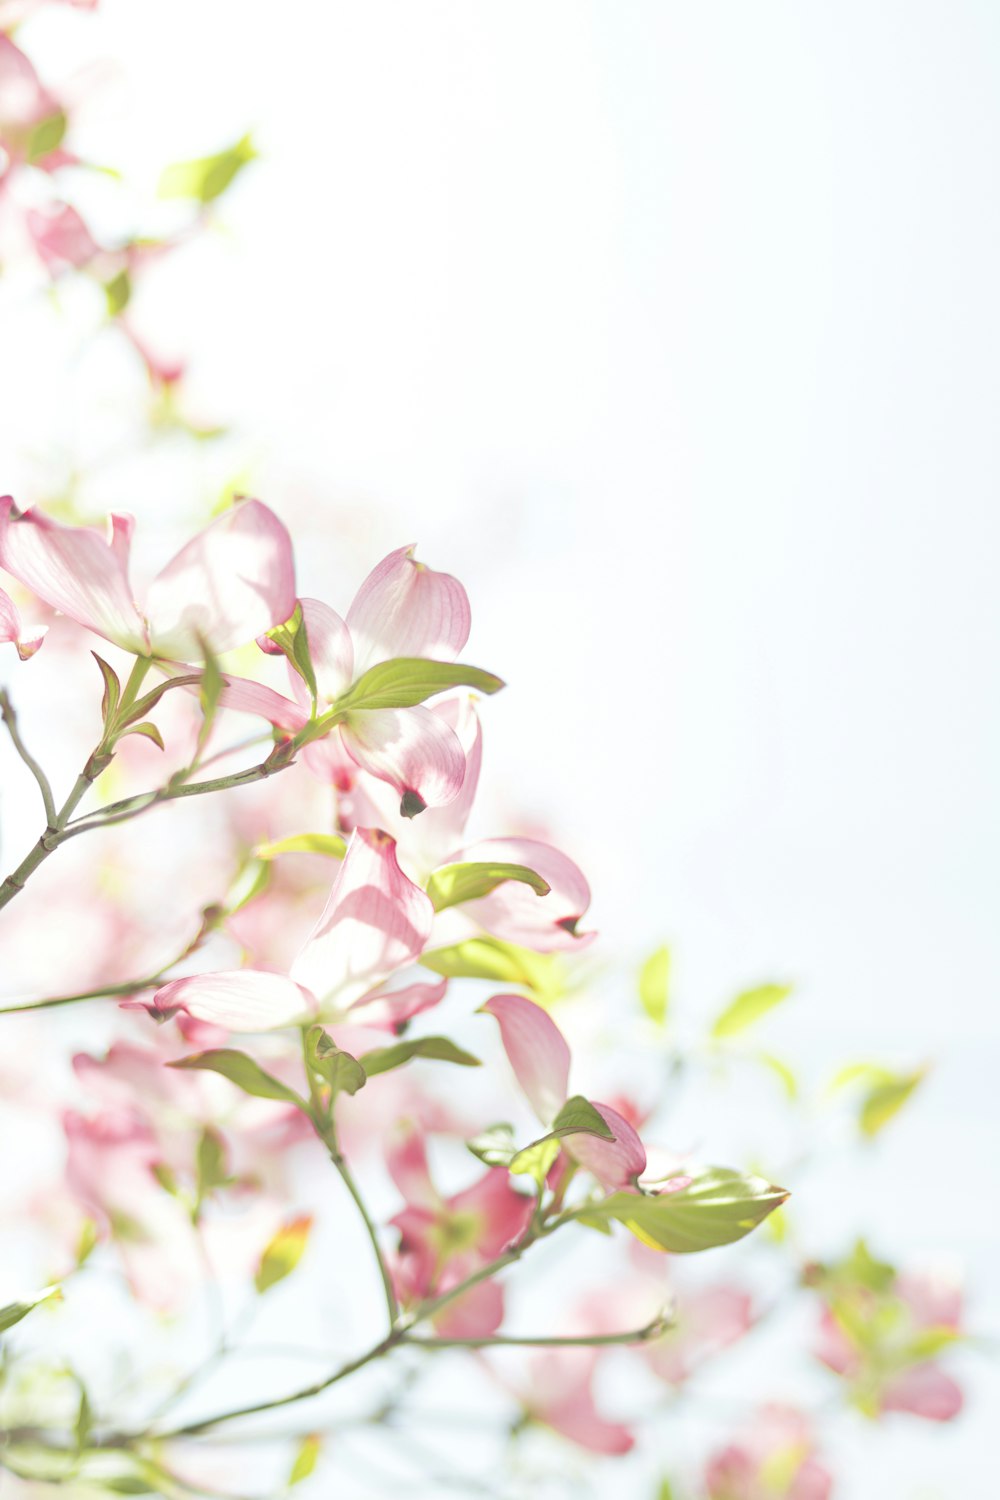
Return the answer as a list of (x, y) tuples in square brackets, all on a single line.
[(391, 1009), (537, 1051), (615, 1164), (410, 748), (248, 697), (239, 999), (513, 911), (406, 609), (331, 651), (11, 628), (61, 238), (74, 570), (230, 584), (375, 921), (925, 1391)]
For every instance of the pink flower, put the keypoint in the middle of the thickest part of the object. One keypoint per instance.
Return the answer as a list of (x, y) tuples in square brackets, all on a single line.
[(402, 609), (24, 102), (559, 1393), (442, 1241), (539, 1055), (776, 1460), (234, 580), (61, 238), (11, 628), (375, 922)]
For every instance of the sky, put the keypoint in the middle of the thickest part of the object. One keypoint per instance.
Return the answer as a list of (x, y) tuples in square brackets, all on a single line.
[(671, 329)]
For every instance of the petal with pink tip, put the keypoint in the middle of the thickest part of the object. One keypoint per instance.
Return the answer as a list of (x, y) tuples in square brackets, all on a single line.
[(75, 571), (411, 749), (375, 922), (239, 999), (11, 628), (230, 584), (537, 1052), (515, 913), (406, 609), (615, 1164), (391, 1009)]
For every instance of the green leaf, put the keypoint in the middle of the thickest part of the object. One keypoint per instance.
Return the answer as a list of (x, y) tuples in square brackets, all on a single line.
[(118, 293), (15, 1311), (283, 1253), (148, 730), (654, 980), (330, 844), (292, 638), (885, 1100), (782, 1071), (579, 1117), (241, 1070), (305, 1460), (210, 687), (717, 1208), (453, 885), (212, 1164), (408, 680), (46, 136), (438, 1048), (148, 702), (344, 1073), (535, 1160), (84, 1420), (495, 1146), (208, 177), (748, 1008), (666, 1490), (492, 958), (112, 689)]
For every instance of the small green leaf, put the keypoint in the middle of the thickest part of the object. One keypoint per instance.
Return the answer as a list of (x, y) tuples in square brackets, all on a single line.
[(885, 1101), (782, 1071), (579, 1117), (748, 1008), (46, 136), (717, 1208), (15, 1311), (438, 1048), (535, 1160), (495, 1146), (241, 1070), (210, 688), (254, 877), (330, 844), (408, 680), (148, 730), (283, 1253), (208, 177), (212, 1164), (492, 958), (344, 1073), (654, 980), (306, 1460), (84, 1420), (117, 293), (292, 638), (453, 885), (148, 702), (112, 689)]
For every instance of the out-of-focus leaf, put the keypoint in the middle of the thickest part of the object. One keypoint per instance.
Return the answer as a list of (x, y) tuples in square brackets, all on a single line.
[(885, 1101), (254, 877), (748, 1008), (535, 1160), (492, 958), (438, 1048), (13, 1312), (408, 680), (241, 1070), (453, 885), (283, 1253), (717, 1208), (654, 985), (208, 177), (118, 293), (306, 1460), (46, 136), (212, 1163), (330, 844), (344, 1073), (782, 1071), (494, 1146), (209, 692)]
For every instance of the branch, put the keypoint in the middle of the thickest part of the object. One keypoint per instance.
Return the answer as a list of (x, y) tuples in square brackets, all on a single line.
[(10, 719), (653, 1330)]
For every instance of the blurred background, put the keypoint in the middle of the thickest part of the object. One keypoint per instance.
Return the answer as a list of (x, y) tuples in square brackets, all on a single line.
[(672, 331)]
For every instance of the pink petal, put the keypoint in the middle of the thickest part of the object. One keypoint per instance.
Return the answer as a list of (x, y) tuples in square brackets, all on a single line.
[(230, 584), (513, 911), (239, 999), (74, 570), (537, 1052), (474, 1315), (25, 101), (410, 748), (392, 1009), (570, 1408), (61, 238), (502, 1214), (925, 1391), (331, 651), (406, 609), (406, 1160), (329, 762), (375, 921), (615, 1164), (11, 628), (248, 697)]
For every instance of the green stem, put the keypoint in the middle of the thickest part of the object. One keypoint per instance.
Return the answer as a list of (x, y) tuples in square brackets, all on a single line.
[(652, 1330), (10, 719)]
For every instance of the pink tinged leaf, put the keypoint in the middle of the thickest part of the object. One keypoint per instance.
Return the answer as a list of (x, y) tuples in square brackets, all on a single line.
[(410, 748), (73, 569), (391, 1009), (61, 238), (230, 584), (617, 1163), (238, 999), (247, 697), (536, 1050), (515, 913), (925, 1391), (375, 922), (406, 609), (11, 628), (331, 652)]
